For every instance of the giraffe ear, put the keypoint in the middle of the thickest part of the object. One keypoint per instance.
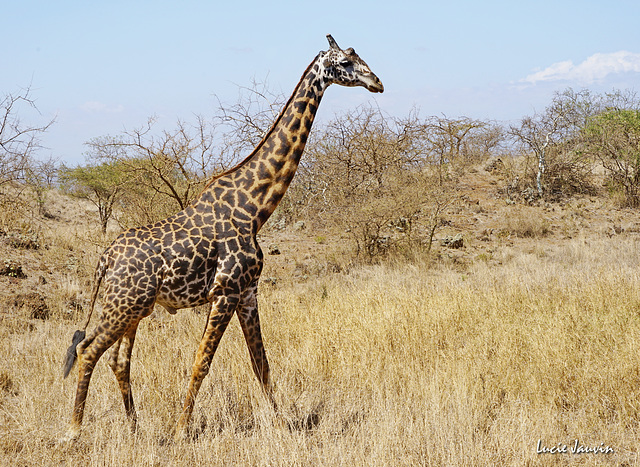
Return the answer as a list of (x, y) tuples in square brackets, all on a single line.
[(332, 42)]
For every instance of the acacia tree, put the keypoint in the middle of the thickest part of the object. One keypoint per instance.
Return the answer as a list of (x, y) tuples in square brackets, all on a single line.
[(372, 176), (556, 137), (447, 138), (164, 171), (41, 176), (353, 154), (173, 164), (102, 180), (18, 141), (542, 133), (245, 122), (553, 136), (613, 136), (358, 148)]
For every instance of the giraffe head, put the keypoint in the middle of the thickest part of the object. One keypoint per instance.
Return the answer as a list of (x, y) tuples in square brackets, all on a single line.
[(345, 67)]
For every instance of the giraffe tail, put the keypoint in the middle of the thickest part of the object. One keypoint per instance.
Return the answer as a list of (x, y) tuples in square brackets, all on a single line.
[(79, 335)]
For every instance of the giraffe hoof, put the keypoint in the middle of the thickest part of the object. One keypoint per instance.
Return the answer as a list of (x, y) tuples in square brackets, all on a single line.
[(181, 435), (70, 436)]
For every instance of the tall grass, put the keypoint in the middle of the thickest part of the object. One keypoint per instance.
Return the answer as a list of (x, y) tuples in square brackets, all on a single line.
[(386, 365)]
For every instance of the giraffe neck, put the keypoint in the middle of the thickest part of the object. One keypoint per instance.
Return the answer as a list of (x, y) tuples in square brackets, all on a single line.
[(261, 180)]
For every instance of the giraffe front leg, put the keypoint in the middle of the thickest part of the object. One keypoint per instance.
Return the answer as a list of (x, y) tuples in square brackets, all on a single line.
[(250, 323), (222, 309)]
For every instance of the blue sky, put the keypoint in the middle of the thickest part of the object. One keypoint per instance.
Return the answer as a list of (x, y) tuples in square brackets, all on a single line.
[(103, 67)]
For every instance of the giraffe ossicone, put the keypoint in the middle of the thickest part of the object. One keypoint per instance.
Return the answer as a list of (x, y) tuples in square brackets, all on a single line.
[(207, 253)]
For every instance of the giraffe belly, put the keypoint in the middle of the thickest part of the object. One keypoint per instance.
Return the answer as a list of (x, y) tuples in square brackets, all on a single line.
[(179, 294), (173, 305), (184, 288)]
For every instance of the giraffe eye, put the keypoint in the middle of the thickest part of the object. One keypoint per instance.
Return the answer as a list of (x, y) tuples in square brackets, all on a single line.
[(346, 63)]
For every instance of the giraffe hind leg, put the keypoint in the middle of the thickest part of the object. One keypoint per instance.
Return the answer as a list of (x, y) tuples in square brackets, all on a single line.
[(89, 352), (120, 363)]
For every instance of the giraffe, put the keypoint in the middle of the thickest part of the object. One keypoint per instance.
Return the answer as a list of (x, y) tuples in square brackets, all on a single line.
[(206, 253)]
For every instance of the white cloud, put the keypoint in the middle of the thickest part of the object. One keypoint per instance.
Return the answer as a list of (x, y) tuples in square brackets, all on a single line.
[(100, 107), (594, 69)]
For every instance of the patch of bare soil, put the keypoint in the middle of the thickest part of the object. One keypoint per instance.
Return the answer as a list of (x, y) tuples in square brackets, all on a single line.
[(488, 215)]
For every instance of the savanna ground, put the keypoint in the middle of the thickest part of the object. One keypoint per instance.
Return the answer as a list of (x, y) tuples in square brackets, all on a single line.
[(525, 338)]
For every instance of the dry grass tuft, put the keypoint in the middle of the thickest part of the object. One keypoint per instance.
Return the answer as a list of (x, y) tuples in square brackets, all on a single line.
[(526, 222)]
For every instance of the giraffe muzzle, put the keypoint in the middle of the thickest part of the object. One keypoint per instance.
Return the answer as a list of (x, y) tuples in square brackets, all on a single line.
[(373, 84)]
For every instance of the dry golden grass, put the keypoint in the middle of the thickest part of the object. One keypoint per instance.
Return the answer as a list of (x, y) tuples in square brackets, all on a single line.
[(384, 365)]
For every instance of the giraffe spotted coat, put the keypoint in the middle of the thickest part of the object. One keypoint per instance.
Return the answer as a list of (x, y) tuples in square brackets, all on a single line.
[(207, 253)]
